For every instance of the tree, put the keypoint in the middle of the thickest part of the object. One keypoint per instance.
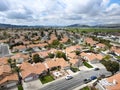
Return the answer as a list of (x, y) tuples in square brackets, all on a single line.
[(10, 62), (51, 55), (111, 66), (18, 70), (60, 54), (42, 34), (77, 52), (37, 58), (54, 44), (107, 57)]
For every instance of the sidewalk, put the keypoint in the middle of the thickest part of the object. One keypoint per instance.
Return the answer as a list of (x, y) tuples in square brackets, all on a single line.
[(60, 78), (84, 85)]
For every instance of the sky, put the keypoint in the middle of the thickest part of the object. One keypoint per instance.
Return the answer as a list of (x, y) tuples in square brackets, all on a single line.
[(59, 12)]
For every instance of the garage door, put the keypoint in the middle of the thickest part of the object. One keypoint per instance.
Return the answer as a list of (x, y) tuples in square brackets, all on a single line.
[(28, 79), (11, 84)]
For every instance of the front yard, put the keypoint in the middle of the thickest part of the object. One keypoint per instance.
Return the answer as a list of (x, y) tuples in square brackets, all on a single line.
[(46, 79), (74, 69), (87, 64), (85, 88), (20, 87)]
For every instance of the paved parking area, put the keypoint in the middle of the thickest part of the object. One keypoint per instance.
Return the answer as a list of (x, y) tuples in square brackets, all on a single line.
[(32, 85)]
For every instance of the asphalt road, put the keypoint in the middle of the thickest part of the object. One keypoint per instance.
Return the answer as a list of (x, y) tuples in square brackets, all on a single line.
[(77, 80)]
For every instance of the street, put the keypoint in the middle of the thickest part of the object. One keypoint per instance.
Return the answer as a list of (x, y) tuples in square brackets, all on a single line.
[(77, 80)]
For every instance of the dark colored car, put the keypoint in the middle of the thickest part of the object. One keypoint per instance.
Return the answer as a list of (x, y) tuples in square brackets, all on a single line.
[(93, 77), (86, 81), (96, 69)]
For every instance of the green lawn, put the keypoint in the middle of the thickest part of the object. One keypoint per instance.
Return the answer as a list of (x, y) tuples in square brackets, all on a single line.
[(74, 69), (20, 87), (46, 79), (85, 88), (87, 65)]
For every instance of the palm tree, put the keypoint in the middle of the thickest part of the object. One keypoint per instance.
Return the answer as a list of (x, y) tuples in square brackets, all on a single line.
[(18, 70)]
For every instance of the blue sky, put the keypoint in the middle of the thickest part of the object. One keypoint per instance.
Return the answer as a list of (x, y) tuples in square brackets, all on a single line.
[(114, 1), (59, 12)]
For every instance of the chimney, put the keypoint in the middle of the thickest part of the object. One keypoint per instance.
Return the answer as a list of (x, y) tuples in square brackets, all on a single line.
[(114, 82), (33, 64)]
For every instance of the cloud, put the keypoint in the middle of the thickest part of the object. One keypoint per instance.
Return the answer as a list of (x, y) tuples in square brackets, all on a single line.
[(21, 13), (4, 5), (60, 12)]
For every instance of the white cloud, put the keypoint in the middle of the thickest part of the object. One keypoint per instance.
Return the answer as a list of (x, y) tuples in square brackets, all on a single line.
[(61, 12)]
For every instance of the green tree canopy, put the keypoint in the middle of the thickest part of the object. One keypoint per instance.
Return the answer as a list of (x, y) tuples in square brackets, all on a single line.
[(111, 66), (37, 58)]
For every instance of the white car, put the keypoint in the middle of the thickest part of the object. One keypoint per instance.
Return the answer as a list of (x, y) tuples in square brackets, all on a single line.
[(68, 77)]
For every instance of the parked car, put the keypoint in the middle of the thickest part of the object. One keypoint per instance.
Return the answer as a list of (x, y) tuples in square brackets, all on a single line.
[(93, 77), (96, 69), (87, 80), (68, 77), (102, 76)]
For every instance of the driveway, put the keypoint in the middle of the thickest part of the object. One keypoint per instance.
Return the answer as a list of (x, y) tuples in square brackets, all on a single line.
[(14, 88), (99, 65), (84, 68), (32, 85), (70, 72)]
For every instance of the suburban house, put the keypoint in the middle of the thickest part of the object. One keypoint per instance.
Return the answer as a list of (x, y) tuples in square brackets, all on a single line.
[(57, 62), (52, 38), (7, 78), (19, 48), (71, 55), (91, 57), (75, 62), (19, 57), (31, 71), (64, 39), (100, 45), (40, 45), (9, 81), (116, 50), (73, 48), (44, 54), (90, 41), (5, 70), (3, 61), (110, 83)]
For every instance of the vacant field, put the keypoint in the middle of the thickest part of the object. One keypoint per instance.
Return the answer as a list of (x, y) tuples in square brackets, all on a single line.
[(84, 30)]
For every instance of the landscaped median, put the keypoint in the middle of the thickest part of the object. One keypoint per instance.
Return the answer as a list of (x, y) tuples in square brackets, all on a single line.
[(46, 79), (87, 64)]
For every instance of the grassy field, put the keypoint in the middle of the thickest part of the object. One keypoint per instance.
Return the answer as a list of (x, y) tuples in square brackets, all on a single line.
[(79, 30)]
